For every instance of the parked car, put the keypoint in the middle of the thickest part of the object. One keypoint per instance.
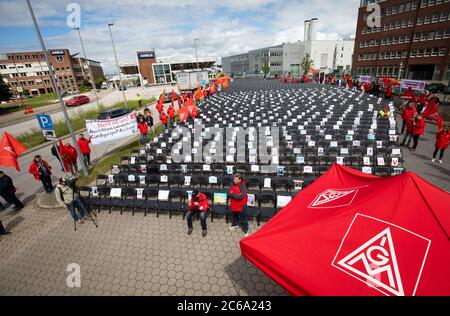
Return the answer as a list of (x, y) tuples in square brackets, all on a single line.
[(435, 87), (168, 98), (77, 100), (112, 114)]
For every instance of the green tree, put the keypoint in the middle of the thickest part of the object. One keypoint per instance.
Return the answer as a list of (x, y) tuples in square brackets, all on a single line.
[(306, 64), (25, 92), (99, 81), (266, 68), (5, 91)]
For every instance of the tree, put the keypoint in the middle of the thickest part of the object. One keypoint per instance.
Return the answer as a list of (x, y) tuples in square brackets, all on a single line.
[(307, 64), (5, 91), (99, 81), (266, 68)]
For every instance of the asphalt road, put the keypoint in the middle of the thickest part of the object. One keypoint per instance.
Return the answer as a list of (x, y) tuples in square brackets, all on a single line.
[(110, 99)]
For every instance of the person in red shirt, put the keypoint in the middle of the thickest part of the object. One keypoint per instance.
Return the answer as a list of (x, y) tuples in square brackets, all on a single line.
[(171, 113), (83, 143), (238, 203), (180, 102), (422, 101), (42, 171), (72, 157), (388, 92), (442, 142), (408, 114), (418, 130), (143, 129), (198, 204), (164, 120), (408, 95)]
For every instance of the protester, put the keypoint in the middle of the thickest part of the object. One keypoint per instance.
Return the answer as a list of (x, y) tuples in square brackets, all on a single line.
[(442, 142), (143, 129), (148, 115), (171, 114), (85, 149), (238, 204), (408, 114), (384, 113), (422, 101), (388, 92), (408, 95), (8, 191), (198, 204), (164, 120), (65, 195), (41, 170), (72, 158), (419, 129), (139, 100)]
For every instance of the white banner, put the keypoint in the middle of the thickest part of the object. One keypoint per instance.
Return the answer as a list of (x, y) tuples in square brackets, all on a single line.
[(104, 131), (413, 84)]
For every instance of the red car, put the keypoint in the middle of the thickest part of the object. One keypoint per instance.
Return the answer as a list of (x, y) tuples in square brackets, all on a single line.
[(77, 100)]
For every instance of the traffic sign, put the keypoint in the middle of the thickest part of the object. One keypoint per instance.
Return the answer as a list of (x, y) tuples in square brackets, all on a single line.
[(49, 134), (45, 122)]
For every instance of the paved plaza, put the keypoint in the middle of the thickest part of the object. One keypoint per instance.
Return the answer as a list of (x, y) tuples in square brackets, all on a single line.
[(125, 255)]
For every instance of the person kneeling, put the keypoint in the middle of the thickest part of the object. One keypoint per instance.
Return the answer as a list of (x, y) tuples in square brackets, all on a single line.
[(65, 195), (198, 204)]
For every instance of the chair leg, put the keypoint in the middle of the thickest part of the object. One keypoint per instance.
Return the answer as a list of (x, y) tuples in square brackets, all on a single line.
[(145, 212)]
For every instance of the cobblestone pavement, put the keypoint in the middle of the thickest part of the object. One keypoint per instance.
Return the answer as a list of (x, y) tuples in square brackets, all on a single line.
[(125, 255)]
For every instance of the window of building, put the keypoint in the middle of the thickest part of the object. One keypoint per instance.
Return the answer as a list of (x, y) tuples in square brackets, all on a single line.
[(420, 53), (420, 20), (30, 82), (431, 36), (413, 53), (435, 52), (447, 34), (28, 65), (59, 59), (2, 66), (427, 52), (427, 20), (443, 51), (439, 35), (23, 74)]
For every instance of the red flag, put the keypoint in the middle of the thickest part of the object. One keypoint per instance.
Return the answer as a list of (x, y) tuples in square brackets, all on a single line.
[(174, 95), (163, 97), (10, 150), (199, 93), (183, 114), (65, 155), (212, 88), (432, 113)]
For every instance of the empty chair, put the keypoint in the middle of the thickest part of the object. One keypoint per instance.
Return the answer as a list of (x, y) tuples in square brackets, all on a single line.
[(267, 206)]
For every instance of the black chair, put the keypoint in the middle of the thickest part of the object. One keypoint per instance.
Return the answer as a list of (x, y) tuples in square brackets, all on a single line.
[(220, 210), (151, 200), (267, 206)]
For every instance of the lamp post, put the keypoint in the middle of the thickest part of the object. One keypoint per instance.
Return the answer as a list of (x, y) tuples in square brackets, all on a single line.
[(118, 67), (58, 92), (91, 74), (196, 56)]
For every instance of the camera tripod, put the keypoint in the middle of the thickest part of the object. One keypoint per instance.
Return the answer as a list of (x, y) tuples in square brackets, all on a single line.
[(91, 214)]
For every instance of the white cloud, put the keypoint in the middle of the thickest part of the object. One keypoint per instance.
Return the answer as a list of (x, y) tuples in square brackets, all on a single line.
[(223, 27)]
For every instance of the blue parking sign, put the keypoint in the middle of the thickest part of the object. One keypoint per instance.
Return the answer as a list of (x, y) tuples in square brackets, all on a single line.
[(45, 122)]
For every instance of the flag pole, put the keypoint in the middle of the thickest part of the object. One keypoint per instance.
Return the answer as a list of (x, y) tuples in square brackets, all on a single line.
[(60, 158), (58, 92)]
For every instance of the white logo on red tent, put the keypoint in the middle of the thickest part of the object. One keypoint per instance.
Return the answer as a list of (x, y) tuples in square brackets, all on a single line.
[(333, 198), (390, 260)]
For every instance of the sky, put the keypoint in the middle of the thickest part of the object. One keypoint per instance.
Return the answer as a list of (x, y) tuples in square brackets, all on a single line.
[(223, 27)]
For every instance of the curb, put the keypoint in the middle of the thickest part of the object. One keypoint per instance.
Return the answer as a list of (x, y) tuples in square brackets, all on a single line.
[(41, 206)]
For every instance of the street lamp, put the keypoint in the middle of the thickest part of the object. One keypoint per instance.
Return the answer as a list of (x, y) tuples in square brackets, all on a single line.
[(196, 56), (58, 92), (117, 64), (91, 74)]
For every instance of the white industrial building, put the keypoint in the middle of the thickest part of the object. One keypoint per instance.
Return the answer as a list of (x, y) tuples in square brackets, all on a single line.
[(328, 56)]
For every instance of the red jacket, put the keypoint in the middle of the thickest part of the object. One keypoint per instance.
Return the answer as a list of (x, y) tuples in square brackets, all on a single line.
[(143, 128), (442, 140), (422, 99), (194, 112), (408, 95), (389, 91), (72, 153), (238, 197), (84, 146), (408, 113), (34, 169), (201, 204), (419, 127), (171, 112), (163, 118)]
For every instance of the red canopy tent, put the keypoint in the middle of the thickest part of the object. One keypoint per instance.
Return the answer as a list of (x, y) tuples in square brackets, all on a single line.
[(353, 234)]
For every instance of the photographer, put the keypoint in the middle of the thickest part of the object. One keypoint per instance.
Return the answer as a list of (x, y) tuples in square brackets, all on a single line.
[(66, 195)]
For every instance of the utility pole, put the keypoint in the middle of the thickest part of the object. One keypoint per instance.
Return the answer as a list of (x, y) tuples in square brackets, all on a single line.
[(61, 102), (196, 56), (121, 87), (91, 73)]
